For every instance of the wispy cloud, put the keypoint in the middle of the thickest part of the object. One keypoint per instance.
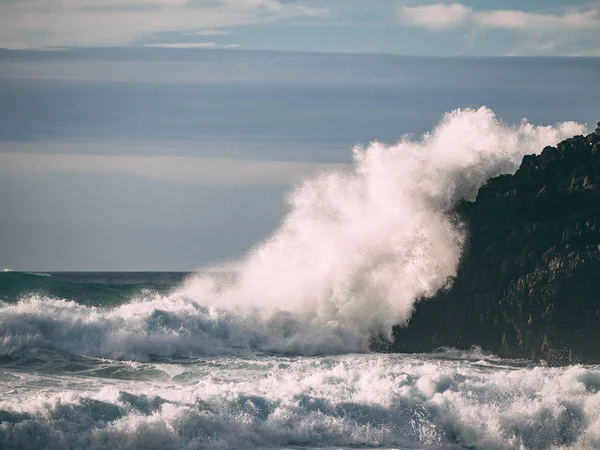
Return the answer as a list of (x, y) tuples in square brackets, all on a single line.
[(212, 23), (436, 16), (442, 15), (208, 33), (543, 33), (526, 21), (193, 45), (33, 23), (183, 169)]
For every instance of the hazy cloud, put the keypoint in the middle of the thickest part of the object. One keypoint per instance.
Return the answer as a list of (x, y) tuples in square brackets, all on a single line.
[(436, 16), (193, 45), (442, 15), (40, 23), (542, 33), (207, 33), (184, 24), (525, 21)]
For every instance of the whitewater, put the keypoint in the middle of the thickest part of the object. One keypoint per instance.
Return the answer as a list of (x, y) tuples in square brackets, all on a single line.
[(274, 352)]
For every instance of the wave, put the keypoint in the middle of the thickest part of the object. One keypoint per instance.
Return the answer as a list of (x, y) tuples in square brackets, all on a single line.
[(370, 401), (355, 252), (162, 327), (91, 290)]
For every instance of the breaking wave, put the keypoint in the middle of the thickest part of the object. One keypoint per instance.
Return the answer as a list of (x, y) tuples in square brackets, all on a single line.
[(355, 251), (374, 401)]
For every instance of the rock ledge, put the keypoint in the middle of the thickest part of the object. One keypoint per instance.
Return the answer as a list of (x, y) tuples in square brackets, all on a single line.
[(528, 285)]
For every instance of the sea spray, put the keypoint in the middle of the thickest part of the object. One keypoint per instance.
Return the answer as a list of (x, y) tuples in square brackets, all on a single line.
[(359, 247), (354, 253)]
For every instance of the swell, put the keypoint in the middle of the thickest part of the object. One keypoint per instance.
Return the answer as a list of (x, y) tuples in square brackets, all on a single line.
[(90, 289)]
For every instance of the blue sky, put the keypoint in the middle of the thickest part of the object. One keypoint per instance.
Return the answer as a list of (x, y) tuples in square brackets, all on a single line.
[(413, 27)]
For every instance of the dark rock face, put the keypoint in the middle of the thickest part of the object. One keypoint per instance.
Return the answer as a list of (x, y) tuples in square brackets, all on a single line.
[(529, 282)]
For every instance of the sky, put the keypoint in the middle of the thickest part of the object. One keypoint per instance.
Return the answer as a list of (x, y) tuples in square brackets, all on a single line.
[(167, 135), (409, 27), (173, 159)]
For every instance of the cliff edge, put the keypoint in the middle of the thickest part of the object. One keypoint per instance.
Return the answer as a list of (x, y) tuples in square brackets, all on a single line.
[(528, 285)]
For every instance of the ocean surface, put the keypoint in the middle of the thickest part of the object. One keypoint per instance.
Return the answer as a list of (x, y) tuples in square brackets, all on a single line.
[(130, 361)]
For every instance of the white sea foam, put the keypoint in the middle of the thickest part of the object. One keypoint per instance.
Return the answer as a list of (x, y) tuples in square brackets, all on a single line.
[(161, 327), (347, 401), (352, 256)]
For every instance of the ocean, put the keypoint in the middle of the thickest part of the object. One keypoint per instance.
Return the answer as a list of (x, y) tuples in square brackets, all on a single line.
[(114, 364)]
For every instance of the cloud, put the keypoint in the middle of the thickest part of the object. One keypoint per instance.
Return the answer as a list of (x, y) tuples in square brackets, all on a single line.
[(42, 23), (436, 16), (183, 169), (541, 34), (193, 45), (525, 21), (207, 33), (440, 16)]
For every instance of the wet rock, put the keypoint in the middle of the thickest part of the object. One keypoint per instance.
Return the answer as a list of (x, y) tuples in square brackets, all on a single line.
[(529, 282)]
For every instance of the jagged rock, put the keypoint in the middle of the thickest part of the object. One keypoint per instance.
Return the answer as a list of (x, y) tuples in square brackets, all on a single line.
[(528, 284)]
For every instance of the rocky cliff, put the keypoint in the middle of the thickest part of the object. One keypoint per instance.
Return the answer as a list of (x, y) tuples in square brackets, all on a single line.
[(529, 281)]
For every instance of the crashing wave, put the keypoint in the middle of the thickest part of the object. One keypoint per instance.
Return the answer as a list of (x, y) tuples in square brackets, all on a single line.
[(355, 252)]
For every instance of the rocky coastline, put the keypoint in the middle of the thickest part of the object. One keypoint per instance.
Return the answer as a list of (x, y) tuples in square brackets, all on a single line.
[(528, 285)]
